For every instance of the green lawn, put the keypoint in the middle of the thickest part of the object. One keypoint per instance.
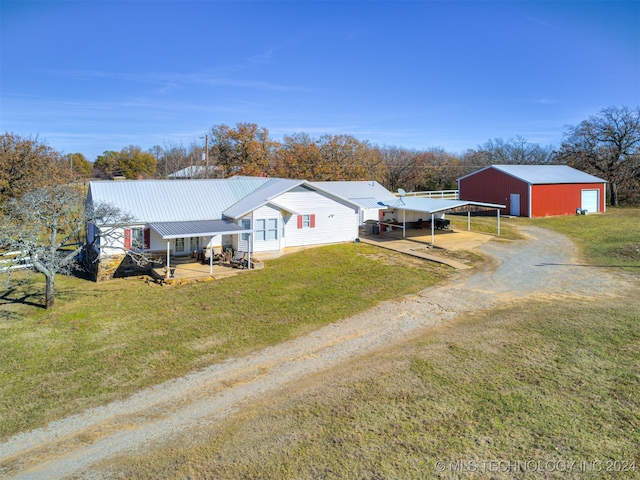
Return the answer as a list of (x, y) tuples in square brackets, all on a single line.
[(104, 341), (536, 384)]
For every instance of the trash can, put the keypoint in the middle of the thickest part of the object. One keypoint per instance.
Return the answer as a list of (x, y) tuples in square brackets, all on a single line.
[(370, 226)]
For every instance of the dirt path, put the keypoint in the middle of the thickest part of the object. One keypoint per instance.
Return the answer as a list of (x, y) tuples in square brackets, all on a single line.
[(544, 265)]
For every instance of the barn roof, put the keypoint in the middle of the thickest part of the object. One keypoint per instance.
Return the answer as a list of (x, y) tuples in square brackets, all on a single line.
[(543, 174)]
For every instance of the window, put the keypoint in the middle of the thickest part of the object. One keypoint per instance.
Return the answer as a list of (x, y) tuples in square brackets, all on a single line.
[(266, 229), (137, 238), (272, 229), (307, 221), (261, 230), (246, 224), (180, 244), (195, 244)]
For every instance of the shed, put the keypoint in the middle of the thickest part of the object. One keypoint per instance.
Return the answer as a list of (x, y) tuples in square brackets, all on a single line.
[(535, 190)]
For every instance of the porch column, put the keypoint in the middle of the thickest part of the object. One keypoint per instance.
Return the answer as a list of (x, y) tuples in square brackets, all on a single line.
[(166, 273), (249, 251), (404, 225), (433, 234)]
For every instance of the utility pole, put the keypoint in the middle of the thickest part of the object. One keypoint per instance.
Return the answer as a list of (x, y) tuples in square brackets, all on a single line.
[(205, 155)]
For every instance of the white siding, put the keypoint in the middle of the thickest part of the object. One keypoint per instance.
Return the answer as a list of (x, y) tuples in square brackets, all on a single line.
[(266, 213), (335, 221)]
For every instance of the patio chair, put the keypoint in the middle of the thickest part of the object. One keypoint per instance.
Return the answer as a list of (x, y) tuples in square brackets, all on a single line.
[(215, 251), (238, 260)]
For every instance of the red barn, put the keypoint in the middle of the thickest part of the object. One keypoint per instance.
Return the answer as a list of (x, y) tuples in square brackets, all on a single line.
[(535, 190)]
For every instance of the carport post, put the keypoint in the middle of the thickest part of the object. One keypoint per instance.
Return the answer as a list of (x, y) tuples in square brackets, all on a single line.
[(468, 219), (432, 231), (249, 252), (404, 225), (168, 255), (210, 259), (498, 210)]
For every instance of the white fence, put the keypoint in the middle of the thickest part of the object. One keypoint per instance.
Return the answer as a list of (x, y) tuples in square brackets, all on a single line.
[(14, 262), (446, 194)]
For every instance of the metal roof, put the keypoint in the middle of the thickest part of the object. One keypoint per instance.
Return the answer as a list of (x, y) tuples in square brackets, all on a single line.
[(168, 230), (195, 171), (273, 188), (365, 194), (173, 200), (544, 174), (434, 205)]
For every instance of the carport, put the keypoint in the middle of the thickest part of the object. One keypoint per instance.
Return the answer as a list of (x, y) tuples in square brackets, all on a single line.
[(432, 206)]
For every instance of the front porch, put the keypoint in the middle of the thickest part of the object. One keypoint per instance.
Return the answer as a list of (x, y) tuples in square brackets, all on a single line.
[(184, 270)]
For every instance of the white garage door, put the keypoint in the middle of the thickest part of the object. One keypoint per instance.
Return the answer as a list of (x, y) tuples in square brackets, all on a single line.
[(589, 201)]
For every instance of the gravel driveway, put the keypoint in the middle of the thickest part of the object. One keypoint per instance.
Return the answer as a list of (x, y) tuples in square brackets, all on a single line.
[(545, 264)]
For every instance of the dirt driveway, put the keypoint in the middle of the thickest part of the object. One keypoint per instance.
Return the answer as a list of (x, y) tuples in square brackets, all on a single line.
[(544, 265)]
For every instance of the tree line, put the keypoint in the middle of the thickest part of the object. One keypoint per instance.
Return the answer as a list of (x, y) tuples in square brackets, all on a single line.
[(42, 215), (606, 145)]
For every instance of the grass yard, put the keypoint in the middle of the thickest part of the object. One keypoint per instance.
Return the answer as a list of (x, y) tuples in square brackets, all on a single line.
[(540, 383), (104, 341)]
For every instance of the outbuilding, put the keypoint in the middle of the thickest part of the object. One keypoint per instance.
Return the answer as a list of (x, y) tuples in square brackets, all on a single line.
[(535, 190)]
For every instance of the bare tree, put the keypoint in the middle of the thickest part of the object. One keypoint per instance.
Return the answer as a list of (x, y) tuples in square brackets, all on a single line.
[(517, 151), (607, 145), (45, 227)]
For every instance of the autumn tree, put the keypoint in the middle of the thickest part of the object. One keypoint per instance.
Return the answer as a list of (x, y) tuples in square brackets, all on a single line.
[(130, 162), (608, 146), (300, 157), (401, 167), (79, 164), (440, 170), (351, 159), (246, 149), (27, 163)]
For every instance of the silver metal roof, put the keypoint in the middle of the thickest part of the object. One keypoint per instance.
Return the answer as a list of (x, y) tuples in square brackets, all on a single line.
[(261, 196), (434, 205), (195, 171), (171, 200), (168, 230), (366, 194), (544, 174)]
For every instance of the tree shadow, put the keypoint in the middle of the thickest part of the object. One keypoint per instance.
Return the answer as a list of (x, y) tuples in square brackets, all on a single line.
[(20, 296)]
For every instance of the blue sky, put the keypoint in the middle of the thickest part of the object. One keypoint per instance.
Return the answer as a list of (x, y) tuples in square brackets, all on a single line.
[(91, 76)]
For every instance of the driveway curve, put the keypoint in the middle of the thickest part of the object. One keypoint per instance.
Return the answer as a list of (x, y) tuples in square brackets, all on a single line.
[(545, 264)]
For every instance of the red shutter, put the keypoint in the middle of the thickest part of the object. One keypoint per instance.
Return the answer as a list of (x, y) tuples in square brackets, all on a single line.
[(127, 239), (313, 220), (147, 238), (299, 221)]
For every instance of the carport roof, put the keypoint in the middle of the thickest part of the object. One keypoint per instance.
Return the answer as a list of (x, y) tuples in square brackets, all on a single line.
[(434, 205), (202, 228)]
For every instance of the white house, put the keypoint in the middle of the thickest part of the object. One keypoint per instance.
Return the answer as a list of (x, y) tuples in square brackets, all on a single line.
[(262, 216), (370, 196)]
